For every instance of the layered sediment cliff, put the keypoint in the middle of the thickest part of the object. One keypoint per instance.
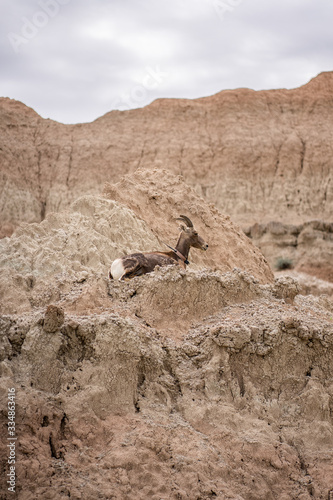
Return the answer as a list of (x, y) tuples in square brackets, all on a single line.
[(256, 155), (214, 382)]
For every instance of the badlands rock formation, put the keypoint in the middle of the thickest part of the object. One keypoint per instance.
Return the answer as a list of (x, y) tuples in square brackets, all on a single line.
[(256, 155), (306, 247), (39, 259), (214, 382), (239, 406)]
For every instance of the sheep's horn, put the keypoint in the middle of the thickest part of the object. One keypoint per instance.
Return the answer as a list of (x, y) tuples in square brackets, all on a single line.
[(186, 220)]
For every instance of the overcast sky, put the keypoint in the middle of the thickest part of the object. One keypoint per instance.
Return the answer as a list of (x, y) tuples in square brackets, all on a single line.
[(75, 60)]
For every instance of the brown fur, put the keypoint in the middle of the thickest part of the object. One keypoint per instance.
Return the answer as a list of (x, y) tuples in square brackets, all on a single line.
[(138, 264)]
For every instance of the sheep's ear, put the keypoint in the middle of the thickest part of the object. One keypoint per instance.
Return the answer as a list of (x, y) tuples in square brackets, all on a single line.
[(182, 228)]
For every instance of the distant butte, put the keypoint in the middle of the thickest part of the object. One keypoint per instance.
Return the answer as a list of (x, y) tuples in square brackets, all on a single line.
[(257, 155)]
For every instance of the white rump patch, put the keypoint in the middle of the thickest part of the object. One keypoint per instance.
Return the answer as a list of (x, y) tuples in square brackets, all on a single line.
[(117, 269)]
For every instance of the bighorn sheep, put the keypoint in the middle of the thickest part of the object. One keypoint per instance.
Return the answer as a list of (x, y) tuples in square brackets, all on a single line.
[(137, 264)]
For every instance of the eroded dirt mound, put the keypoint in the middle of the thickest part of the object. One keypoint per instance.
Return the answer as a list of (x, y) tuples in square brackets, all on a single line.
[(71, 252), (172, 300), (214, 382), (239, 407), (306, 247), (52, 260), (159, 197), (309, 285)]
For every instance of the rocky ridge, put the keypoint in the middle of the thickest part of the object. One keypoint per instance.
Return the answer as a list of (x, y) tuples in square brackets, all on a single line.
[(304, 247), (42, 261), (214, 382), (210, 383), (237, 405), (257, 155)]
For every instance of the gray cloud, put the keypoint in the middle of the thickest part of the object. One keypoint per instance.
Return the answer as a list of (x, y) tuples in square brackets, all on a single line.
[(79, 59)]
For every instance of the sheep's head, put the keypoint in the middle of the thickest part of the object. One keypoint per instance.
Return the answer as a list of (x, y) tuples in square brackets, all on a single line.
[(192, 235)]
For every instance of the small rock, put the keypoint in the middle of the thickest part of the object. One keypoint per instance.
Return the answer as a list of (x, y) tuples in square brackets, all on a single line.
[(53, 319)]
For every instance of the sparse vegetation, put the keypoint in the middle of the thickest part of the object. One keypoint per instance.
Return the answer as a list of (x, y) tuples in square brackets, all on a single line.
[(283, 263)]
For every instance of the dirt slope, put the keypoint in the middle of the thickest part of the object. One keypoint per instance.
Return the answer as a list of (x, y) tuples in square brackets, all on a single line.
[(210, 383), (255, 155), (40, 262), (115, 403), (159, 197), (214, 382), (304, 247)]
